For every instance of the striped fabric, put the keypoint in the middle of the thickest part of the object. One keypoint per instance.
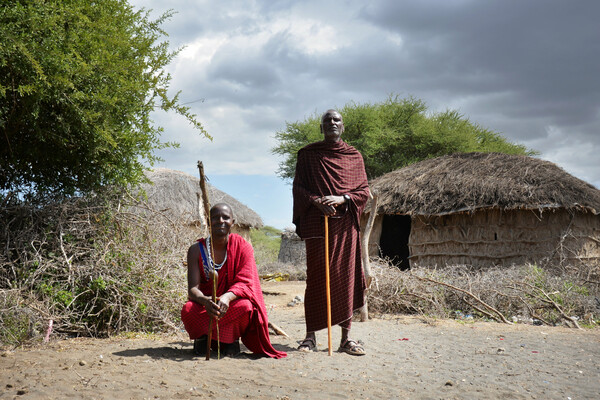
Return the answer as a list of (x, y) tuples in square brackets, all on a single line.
[(231, 326), (331, 169)]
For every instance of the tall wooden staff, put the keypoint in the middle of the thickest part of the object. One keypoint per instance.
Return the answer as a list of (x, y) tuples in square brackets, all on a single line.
[(212, 273), (327, 292)]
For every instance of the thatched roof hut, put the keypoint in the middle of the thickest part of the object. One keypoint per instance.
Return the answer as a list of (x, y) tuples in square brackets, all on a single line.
[(178, 195), (485, 208)]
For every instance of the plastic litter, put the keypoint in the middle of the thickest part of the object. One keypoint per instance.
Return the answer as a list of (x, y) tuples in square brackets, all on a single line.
[(276, 277), (49, 331)]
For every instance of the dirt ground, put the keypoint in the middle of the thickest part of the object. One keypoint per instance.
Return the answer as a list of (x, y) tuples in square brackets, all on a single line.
[(407, 358)]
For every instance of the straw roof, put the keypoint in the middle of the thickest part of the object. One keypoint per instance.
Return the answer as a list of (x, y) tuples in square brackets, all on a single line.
[(177, 194), (470, 181)]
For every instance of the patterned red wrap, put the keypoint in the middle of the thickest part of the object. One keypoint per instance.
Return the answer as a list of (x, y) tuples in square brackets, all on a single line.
[(247, 316), (324, 169)]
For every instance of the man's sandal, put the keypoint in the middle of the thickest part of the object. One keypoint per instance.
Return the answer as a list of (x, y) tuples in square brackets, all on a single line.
[(308, 345), (352, 347)]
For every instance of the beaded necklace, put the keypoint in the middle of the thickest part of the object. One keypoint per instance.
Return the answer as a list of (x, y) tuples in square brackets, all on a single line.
[(210, 259)]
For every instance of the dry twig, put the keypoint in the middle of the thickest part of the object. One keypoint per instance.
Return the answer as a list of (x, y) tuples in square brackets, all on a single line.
[(498, 315)]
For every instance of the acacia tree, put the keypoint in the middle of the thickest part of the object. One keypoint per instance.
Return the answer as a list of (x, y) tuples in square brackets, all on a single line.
[(393, 134), (78, 83)]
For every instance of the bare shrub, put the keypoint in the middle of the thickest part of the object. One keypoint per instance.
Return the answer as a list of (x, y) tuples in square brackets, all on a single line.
[(553, 295), (94, 266)]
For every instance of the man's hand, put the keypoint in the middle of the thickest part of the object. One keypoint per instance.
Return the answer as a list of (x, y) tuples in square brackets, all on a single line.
[(213, 309), (328, 204), (197, 296)]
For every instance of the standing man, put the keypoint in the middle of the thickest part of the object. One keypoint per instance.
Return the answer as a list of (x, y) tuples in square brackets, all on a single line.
[(331, 180)]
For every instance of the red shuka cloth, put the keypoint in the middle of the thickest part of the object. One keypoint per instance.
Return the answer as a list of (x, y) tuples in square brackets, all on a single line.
[(324, 169), (247, 315)]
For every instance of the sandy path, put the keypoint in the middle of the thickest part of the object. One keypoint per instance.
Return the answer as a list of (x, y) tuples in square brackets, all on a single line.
[(407, 358)]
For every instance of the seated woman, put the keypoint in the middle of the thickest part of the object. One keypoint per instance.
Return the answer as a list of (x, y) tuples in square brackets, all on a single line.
[(240, 308)]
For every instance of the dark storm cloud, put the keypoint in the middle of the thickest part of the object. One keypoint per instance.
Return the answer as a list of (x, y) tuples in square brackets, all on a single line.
[(527, 69), (546, 54), (194, 19)]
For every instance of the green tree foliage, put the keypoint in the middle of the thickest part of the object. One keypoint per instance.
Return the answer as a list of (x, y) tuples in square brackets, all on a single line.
[(78, 83), (393, 134)]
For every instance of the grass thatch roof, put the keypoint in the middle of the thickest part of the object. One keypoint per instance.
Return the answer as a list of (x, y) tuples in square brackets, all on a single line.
[(470, 181), (177, 194)]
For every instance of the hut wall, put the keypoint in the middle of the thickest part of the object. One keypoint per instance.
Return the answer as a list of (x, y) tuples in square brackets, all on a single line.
[(581, 241), (496, 237), (292, 249)]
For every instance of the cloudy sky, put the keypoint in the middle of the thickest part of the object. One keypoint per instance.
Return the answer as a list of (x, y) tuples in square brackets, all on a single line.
[(526, 69)]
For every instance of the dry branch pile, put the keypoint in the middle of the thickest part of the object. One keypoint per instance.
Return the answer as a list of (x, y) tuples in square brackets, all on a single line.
[(106, 265), (95, 267), (526, 293)]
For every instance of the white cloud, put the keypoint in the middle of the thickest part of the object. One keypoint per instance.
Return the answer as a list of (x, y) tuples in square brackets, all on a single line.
[(200, 51)]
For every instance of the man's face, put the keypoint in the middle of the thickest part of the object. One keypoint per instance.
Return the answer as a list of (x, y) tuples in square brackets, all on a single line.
[(332, 126), (221, 220)]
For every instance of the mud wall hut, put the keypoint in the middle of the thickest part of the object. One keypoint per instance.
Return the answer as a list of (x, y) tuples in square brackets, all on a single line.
[(484, 209), (177, 195), (292, 249)]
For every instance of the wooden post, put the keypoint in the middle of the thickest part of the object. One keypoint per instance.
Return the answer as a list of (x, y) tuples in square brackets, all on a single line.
[(364, 244)]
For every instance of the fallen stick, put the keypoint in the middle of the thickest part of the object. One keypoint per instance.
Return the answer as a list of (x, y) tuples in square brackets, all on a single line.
[(278, 330)]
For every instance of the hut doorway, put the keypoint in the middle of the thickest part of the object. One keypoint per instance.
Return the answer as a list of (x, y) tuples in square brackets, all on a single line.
[(393, 243)]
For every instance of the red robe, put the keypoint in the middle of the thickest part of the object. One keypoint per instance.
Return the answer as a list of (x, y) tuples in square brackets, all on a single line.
[(323, 169), (247, 315)]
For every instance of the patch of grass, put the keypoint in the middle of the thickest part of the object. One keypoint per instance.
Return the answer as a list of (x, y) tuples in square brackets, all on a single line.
[(266, 242), (18, 324), (15, 328)]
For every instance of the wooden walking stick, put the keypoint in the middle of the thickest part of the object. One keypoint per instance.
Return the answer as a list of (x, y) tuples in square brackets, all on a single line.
[(213, 275), (328, 294)]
